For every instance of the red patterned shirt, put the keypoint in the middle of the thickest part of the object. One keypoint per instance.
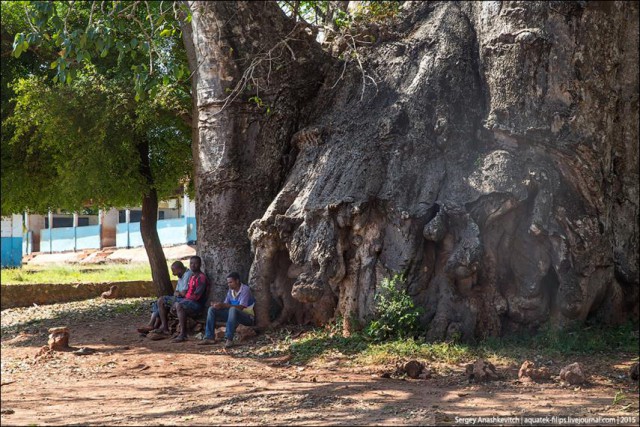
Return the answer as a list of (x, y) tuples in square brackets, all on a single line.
[(197, 287)]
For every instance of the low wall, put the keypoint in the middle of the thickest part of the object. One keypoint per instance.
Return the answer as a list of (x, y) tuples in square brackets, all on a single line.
[(24, 295)]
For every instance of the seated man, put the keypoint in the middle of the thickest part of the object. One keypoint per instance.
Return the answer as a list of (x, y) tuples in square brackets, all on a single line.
[(237, 308), (190, 305), (184, 274)]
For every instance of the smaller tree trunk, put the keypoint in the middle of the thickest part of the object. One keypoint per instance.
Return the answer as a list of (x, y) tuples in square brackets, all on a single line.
[(149, 228), (149, 232)]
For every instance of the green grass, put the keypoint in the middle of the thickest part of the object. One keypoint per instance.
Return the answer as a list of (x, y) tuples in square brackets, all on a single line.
[(578, 340), (326, 343), (75, 274)]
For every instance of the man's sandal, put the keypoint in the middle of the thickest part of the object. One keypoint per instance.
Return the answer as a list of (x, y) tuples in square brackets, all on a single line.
[(145, 329), (207, 342), (179, 338)]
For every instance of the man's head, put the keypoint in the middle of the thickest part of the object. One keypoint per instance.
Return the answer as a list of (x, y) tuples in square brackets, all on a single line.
[(178, 268), (233, 281), (194, 263)]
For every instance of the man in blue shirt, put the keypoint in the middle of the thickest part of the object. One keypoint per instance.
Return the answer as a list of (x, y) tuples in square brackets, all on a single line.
[(237, 308), (184, 274)]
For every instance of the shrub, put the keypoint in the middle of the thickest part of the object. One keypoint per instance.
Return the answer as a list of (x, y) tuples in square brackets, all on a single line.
[(397, 315)]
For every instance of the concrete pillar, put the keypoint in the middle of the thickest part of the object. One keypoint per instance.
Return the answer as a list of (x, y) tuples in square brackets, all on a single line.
[(36, 224), (127, 216), (50, 234), (185, 203), (27, 245), (108, 221), (75, 231)]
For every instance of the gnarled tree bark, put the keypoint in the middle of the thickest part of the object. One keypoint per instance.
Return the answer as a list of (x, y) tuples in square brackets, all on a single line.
[(495, 165)]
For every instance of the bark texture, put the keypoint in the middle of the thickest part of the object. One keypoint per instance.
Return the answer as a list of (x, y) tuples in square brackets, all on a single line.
[(241, 151), (495, 165)]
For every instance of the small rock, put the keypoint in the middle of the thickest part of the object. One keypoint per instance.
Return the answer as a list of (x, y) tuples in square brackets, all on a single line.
[(529, 372), (7, 411), (58, 339), (572, 374), (633, 372), (481, 371)]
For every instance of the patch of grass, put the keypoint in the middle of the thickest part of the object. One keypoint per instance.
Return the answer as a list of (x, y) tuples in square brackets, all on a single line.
[(388, 352), (75, 274), (578, 340), (361, 349)]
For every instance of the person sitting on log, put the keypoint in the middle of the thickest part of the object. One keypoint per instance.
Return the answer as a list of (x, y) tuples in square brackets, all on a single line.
[(183, 274), (191, 305), (237, 308)]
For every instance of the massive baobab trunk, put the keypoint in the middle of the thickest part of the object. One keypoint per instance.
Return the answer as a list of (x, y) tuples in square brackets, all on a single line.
[(238, 51), (494, 163)]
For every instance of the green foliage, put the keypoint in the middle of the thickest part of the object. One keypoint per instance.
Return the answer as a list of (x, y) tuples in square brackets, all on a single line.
[(65, 146), (327, 13), (396, 314), (377, 10), (80, 144), (143, 35)]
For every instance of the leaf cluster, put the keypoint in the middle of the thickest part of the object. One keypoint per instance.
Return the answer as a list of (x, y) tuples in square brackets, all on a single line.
[(138, 38), (397, 317), (79, 145)]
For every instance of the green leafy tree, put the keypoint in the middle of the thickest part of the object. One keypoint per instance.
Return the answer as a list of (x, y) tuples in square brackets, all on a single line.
[(114, 133)]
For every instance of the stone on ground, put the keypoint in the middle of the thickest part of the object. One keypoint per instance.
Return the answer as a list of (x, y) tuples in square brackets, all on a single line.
[(529, 372), (58, 338), (572, 374), (481, 371)]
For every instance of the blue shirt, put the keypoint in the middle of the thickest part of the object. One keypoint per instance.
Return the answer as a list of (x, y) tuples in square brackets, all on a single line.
[(183, 282), (241, 297)]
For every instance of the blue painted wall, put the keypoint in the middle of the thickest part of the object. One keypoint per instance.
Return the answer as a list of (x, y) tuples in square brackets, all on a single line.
[(68, 239), (174, 231), (11, 255), (88, 237)]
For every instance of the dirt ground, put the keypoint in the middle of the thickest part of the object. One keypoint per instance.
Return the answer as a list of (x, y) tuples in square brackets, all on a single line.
[(131, 380)]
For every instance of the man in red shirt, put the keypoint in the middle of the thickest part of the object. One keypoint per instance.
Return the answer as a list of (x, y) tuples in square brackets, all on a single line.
[(191, 305)]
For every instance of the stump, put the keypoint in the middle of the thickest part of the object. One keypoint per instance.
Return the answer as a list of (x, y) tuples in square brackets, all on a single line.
[(58, 339), (413, 369)]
